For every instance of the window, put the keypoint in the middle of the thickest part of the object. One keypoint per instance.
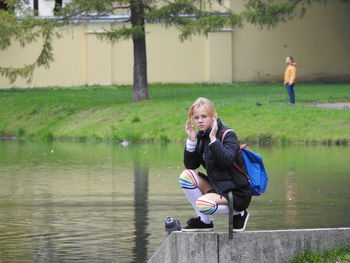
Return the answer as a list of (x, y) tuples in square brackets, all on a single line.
[(36, 7), (58, 6), (3, 4)]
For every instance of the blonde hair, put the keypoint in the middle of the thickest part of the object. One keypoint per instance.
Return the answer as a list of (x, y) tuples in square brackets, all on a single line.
[(202, 102)]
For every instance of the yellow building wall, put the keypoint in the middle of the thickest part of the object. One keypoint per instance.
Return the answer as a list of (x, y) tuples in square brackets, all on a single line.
[(68, 67), (83, 59), (171, 60), (98, 56), (220, 56), (319, 42), (122, 62)]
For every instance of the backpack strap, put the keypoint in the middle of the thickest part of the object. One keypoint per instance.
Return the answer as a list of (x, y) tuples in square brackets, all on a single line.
[(243, 146), (240, 169), (230, 215), (224, 134)]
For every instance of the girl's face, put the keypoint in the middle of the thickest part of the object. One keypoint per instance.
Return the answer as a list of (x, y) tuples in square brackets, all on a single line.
[(202, 119)]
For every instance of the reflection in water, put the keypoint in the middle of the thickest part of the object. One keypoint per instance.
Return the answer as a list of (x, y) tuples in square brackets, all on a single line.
[(85, 202), (291, 194), (141, 213)]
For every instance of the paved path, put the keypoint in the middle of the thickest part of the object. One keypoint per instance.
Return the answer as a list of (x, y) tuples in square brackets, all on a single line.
[(336, 105)]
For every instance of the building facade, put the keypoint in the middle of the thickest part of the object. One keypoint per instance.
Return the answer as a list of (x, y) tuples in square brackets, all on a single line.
[(319, 42)]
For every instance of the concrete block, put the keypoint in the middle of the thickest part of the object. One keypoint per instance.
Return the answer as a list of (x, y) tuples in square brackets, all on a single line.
[(187, 247), (250, 246), (278, 245)]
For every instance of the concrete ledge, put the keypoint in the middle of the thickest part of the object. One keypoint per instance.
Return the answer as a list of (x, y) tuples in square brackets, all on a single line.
[(249, 246)]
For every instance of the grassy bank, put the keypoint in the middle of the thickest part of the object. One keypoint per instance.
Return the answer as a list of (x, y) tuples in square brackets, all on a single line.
[(339, 255), (106, 113)]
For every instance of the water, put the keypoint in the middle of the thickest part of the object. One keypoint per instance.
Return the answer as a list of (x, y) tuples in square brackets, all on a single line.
[(97, 202)]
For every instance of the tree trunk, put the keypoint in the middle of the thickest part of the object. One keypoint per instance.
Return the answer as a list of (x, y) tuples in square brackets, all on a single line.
[(140, 83)]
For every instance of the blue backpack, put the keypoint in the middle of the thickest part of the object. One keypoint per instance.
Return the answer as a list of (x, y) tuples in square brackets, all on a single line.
[(256, 173)]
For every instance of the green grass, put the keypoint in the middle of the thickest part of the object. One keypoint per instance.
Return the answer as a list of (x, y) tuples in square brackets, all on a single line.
[(106, 113), (338, 255)]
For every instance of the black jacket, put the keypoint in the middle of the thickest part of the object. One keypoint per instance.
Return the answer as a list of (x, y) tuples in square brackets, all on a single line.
[(217, 159)]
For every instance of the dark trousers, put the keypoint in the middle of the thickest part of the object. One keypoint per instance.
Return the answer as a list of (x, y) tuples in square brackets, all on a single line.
[(290, 90)]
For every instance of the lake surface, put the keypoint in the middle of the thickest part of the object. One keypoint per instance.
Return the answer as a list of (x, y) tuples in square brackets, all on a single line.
[(100, 202)]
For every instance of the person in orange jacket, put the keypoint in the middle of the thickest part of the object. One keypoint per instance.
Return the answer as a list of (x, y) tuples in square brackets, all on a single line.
[(289, 78)]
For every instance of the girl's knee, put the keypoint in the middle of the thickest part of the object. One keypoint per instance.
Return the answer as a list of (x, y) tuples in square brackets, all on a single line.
[(188, 179), (206, 206)]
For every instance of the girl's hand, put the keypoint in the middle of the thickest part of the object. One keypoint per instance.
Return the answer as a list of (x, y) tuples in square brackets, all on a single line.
[(191, 134), (214, 130)]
